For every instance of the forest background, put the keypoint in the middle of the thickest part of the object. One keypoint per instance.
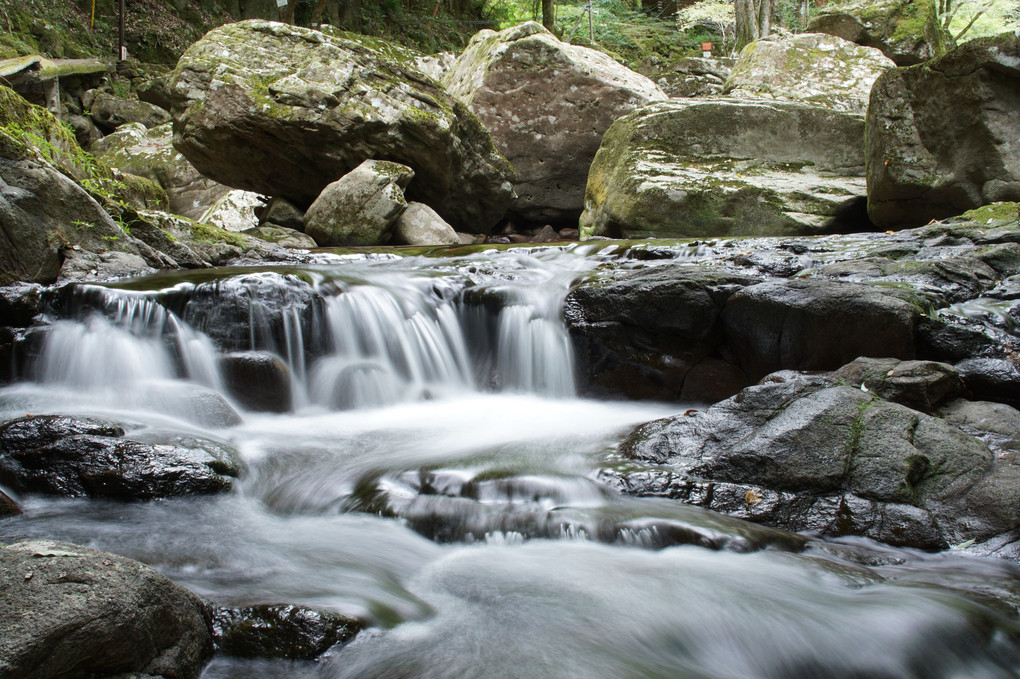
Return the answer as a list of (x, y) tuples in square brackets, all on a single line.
[(636, 32)]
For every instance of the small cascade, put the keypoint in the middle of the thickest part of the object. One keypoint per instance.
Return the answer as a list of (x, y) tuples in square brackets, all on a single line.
[(387, 349), (359, 334)]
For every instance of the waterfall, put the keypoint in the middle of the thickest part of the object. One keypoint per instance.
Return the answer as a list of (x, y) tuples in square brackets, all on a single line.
[(351, 336)]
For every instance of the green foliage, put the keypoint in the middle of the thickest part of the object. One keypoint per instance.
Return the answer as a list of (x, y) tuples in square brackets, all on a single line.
[(714, 15)]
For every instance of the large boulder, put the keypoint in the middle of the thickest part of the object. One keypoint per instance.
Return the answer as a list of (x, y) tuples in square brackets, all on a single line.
[(73, 612), (942, 135), (361, 207), (547, 104), (45, 216), (714, 168), (906, 31), (809, 452), (812, 68), (150, 153), (284, 111)]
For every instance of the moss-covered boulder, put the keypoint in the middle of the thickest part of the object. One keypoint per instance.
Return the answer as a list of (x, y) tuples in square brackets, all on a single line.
[(547, 104), (906, 31), (150, 153), (284, 111), (812, 68), (712, 168), (942, 136)]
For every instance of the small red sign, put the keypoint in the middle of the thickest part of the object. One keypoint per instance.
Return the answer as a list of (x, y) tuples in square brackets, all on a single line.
[(706, 47)]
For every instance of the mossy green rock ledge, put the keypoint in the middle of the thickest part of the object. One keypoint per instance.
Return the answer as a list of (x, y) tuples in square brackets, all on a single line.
[(714, 168), (284, 111)]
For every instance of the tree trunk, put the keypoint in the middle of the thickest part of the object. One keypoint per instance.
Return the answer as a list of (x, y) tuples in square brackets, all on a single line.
[(753, 20), (549, 15)]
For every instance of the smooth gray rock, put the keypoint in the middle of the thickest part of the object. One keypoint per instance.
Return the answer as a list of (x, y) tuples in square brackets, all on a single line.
[(941, 135), (361, 207), (420, 225), (110, 112), (888, 25), (77, 613)]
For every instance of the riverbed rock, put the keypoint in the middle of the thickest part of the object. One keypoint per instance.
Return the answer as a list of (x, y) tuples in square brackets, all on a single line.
[(420, 225), (150, 153), (905, 31), (361, 207), (689, 76), (81, 457), (69, 611), (648, 334), (813, 68), (816, 325), (712, 168), (258, 380), (547, 104), (192, 244), (807, 452), (8, 507), (284, 111), (110, 112), (280, 631), (921, 385), (282, 212), (940, 134), (43, 216)]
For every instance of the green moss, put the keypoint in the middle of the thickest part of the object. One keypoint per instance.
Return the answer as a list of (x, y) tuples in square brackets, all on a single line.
[(994, 214), (206, 233)]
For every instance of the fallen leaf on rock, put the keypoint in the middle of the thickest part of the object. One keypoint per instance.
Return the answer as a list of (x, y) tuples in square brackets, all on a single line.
[(753, 496)]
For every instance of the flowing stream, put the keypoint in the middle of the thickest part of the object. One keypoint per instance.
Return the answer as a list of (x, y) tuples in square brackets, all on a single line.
[(435, 476)]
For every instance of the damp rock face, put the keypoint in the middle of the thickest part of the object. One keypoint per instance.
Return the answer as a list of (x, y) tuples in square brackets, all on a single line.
[(69, 611), (284, 111)]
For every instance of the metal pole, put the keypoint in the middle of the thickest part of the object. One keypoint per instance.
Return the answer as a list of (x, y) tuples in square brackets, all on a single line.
[(122, 50)]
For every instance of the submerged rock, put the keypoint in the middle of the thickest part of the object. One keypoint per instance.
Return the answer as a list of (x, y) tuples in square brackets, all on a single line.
[(280, 631), (81, 457), (284, 111), (69, 611), (716, 168), (813, 68), (547, 104), (941, 134)]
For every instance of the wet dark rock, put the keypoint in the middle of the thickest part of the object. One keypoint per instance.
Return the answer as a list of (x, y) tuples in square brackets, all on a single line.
[(83, 457), (280, 631), (259, 380), (952, 338), (282, 212), (992, 379), (806, 452), (950, 279), (816, 325), (19, 304), (921, 385), (640, 333), (248, 309), (76, 613)]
